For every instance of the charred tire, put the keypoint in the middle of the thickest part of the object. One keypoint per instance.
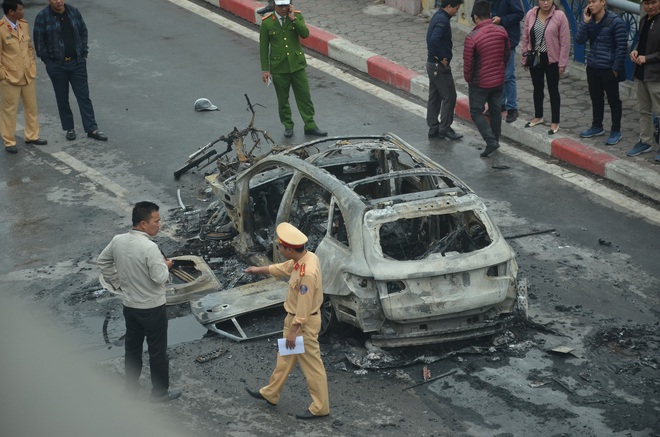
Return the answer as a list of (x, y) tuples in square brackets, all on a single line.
[(329, 322), (328, 318)]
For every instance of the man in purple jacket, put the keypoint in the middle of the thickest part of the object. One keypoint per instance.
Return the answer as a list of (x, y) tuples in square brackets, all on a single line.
[(485, 55)]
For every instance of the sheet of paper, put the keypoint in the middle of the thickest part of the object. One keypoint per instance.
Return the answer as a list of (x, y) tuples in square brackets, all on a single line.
[(299, 349)]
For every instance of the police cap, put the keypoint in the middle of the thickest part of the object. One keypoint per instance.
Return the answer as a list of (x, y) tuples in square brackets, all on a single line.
[(290, 236)]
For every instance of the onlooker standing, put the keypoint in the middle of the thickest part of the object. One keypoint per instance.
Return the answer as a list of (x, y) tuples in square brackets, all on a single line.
[(508, 14), (547, 34), (442, 91), (60, 39), (608, 42), (485, 55), (135, 266), (646, 57), (17, 72), (283, 62), (303, 305)]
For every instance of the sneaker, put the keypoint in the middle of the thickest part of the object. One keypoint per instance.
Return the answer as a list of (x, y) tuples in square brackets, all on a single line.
[(638, 149), (613, 139), (169, 395), (511, 115), (657, 156), (592, 132)]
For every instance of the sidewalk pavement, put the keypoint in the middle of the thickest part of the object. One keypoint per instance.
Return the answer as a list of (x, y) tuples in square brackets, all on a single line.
[(390, 46)]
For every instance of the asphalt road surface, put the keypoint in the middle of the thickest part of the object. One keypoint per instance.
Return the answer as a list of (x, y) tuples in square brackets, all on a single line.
[(592, 271)]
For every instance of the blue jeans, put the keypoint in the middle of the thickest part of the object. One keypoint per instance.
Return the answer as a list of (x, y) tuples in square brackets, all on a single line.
[(73, 72), (510, 95)]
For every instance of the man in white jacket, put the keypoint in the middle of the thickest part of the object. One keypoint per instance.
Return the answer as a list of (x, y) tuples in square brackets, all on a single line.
[(135, 265)]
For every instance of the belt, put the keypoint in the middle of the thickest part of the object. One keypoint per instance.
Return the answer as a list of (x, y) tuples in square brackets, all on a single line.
[(313, 314), (69, 58)]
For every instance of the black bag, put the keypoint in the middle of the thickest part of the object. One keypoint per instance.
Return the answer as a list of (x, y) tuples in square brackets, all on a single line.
[(532, 59)]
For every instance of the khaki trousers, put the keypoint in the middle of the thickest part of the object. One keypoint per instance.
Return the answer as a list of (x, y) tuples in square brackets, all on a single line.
[(11, 95), (648, 100), (310, 364)]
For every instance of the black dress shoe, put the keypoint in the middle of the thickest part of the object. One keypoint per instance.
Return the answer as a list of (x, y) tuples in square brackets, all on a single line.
[(450, 134), (433, 133), (316, 132), (265, 9), (169, 395), (489, 150), (288, 132), (37, 142), (255, 394), (307, 415), (97, 135), (71, 135), (511, 115), (11, 149)]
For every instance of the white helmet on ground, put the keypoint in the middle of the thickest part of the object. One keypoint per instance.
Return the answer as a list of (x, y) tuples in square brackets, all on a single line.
[(204, 105)]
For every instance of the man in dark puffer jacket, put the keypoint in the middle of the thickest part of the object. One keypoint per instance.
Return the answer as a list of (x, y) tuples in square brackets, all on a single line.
[(608, 44), (485, 55)]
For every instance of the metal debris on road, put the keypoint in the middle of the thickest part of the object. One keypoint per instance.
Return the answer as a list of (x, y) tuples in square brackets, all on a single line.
[(203, 358), (444, 375)]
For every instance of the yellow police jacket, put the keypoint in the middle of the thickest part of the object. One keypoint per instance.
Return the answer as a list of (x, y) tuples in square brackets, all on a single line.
[(17, 53), (279, 47)]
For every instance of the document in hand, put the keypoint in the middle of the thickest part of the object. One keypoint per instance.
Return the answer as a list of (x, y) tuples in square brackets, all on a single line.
[(299, 349)]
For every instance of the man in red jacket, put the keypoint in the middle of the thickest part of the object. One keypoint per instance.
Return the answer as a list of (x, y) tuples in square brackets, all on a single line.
[(485, 55)]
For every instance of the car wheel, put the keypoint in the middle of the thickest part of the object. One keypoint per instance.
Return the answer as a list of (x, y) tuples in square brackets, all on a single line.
[(330, 324), (328, 318)]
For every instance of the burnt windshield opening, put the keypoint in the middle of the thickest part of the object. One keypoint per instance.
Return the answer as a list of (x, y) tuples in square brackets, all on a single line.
[(417, 238)]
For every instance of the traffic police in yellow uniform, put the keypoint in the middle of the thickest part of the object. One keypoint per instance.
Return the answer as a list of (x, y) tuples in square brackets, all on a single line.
[(18, 70), (283, 62), (303, 305)]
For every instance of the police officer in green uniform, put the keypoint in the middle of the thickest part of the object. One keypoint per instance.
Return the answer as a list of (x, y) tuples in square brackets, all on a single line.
[(283, 62)]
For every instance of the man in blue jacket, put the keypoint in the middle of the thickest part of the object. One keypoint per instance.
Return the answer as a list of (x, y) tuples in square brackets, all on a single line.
[(508, 14), (608, 44), (442, 90)]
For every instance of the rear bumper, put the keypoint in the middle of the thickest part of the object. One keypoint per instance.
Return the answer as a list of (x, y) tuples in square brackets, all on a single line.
[(418, 338)]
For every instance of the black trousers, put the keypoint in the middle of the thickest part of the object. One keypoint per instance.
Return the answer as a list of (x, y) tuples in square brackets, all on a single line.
[(551, 73), (74, 73), (152, 324), (491, 129), (442, 98), (602, 82)]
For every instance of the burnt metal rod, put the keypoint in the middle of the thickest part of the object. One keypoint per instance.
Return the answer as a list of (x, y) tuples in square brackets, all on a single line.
[(182, 275), (444, 375), (528, 234)]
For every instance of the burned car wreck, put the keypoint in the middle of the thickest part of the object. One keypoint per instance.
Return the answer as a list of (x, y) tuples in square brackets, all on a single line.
[(408, 251)]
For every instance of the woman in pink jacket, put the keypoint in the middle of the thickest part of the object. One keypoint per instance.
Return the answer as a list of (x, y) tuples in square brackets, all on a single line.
[(547, 34)]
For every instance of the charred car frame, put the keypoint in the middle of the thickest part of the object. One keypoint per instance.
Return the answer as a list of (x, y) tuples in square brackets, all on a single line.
[(408, 251)]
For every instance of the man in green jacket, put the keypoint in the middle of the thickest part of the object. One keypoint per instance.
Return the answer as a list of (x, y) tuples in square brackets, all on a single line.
[(283, 63)]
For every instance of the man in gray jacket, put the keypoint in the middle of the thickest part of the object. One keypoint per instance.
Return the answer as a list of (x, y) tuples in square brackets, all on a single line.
[(135, 266)]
